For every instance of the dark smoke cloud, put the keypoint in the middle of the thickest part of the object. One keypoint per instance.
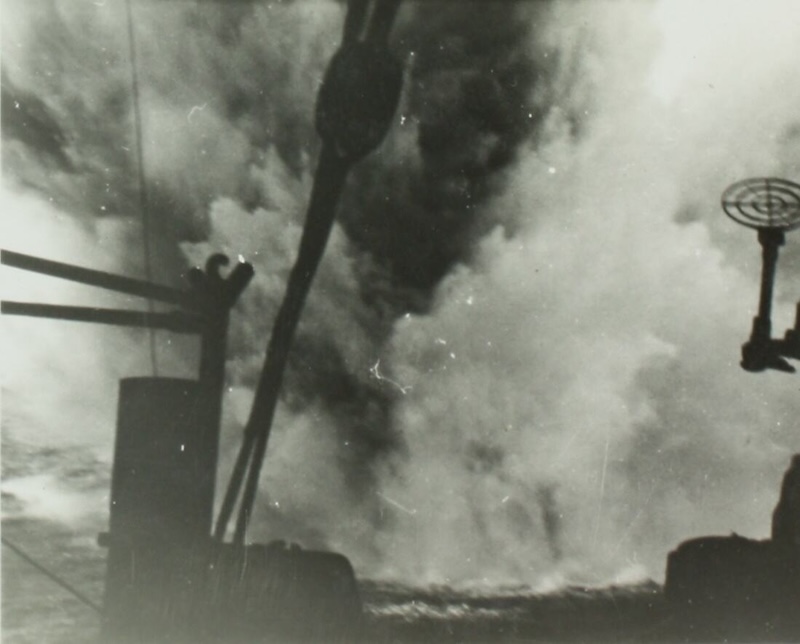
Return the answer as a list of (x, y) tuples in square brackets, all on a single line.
[(27, 119), (213, 100), (475, 91)]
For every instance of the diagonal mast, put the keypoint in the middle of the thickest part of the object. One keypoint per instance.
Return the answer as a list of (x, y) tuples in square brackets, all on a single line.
[(355, 108)]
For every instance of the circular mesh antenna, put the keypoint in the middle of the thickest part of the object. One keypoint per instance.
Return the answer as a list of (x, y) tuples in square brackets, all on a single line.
[(763, 203)]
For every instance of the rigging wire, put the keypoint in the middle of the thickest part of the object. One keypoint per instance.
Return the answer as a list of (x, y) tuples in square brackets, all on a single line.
[(51, 575), (336, 158), (253, 446), (143, 195)]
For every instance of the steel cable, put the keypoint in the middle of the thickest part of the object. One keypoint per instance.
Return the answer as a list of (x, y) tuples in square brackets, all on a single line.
[(51, 575)]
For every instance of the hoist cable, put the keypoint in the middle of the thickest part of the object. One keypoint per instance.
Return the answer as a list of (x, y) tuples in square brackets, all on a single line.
[(362, 73), (328, 184), (381, 21), (255, 438), (354, 20), (144, 205)]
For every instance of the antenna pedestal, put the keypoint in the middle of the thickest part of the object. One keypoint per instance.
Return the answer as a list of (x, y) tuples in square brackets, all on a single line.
[(772, 207)]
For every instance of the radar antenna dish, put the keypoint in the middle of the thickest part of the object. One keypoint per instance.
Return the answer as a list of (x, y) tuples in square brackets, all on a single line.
[(763, 204), (772, 207)]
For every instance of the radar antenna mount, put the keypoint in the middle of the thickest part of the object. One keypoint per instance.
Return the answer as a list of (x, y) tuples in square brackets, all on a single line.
[(772, 207)]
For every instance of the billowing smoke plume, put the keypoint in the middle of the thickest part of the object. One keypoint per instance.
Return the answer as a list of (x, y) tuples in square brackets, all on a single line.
[(576, 383), (518, 361)]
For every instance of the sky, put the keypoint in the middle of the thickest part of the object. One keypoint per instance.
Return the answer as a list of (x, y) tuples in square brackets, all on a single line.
[(519, 360)]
